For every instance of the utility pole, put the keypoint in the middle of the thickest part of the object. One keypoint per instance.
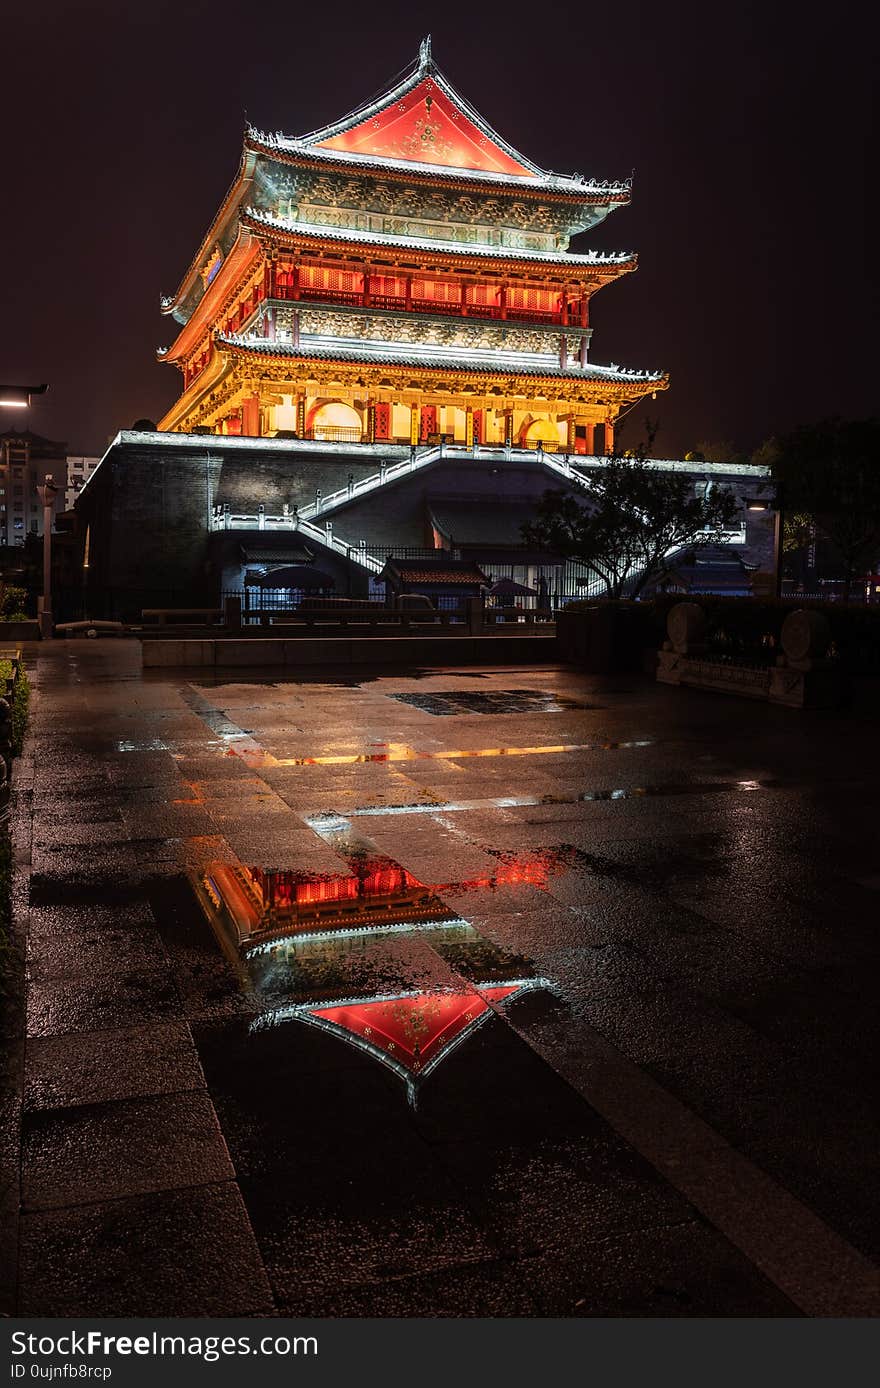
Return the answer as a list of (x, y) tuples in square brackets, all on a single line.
[(47, 494)]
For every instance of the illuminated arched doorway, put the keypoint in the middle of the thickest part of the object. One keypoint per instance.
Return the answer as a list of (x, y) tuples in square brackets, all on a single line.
[(335, 422), (541, 431)]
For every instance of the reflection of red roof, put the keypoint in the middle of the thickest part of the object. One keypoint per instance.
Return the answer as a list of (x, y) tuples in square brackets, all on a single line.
[(425, 125), (414, 1031)]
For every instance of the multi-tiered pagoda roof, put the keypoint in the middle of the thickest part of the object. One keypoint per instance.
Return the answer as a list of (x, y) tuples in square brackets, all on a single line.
[(400, 275)]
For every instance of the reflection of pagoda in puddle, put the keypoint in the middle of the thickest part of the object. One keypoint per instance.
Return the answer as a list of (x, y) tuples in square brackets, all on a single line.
[(250, 907), (253, 906), (408, 1033), (303, 943)]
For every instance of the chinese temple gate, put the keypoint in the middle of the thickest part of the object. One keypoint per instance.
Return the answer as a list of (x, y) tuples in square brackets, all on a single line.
[(401, 276)]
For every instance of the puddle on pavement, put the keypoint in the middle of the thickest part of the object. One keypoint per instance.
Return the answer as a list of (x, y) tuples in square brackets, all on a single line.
[(315, 950), (238, 742), (384, 1116), (255, 756), (489, 702), (252, 908), (508, 802)]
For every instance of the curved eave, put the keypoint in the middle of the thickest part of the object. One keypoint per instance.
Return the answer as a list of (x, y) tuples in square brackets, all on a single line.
[(423, 364), (557, 188), (237, 263), (217, 367), (275, 232), (240, 185)]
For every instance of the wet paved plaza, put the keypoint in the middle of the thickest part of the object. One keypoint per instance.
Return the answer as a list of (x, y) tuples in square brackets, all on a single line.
[(499, 992)]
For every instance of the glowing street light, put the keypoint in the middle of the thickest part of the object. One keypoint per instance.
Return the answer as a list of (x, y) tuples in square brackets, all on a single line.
[(19, 397)]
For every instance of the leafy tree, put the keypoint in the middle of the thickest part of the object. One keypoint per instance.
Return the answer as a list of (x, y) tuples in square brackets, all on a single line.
[(633, 517), (829, 479)]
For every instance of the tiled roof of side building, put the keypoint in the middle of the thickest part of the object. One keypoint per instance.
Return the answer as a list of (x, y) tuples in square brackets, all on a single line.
[(439, 570), (452, 358), (258, 219)]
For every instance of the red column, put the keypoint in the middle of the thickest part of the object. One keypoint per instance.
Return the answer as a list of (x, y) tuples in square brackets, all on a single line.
[(250, 416), (502, 301), (408, 292), (590, 439), (294, 281), (609, 438), (366, 274)]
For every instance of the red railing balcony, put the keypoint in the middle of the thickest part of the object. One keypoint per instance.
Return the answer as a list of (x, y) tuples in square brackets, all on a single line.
[(482, 311), (332, 296), (534, 315), (397, 303)]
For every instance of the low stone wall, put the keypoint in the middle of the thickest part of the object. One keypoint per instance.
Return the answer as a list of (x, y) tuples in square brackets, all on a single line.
[(753, 683), (19, 631), (607, 637), (803, 676), (297, 652)]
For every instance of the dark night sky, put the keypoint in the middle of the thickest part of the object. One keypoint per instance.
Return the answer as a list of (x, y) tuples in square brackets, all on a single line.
[(749, 128)]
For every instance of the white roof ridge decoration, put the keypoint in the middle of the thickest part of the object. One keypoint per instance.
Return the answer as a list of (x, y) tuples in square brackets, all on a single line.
[(405, 353), (429, 243), (426, 68), (553, 182)]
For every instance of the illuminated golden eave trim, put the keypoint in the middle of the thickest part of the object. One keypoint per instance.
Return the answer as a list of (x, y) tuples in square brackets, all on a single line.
[(237, 266), (239, 186), (277, 367), (216, 370), (366, 252)]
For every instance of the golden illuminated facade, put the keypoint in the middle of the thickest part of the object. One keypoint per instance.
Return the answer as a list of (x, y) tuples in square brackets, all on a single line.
[(403, 277)]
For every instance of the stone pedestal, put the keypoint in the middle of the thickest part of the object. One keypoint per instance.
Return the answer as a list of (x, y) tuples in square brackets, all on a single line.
[(669, 665), (813, 684)]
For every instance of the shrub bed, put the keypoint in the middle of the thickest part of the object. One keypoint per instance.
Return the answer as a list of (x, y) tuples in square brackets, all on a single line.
[(15, 686)]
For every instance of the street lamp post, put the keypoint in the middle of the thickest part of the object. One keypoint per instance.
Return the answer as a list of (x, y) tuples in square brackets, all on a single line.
[(47, 494), (19, 398)]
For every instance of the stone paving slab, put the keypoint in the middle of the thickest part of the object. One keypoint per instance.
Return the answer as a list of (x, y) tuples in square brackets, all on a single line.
[(678, 1123), (127, 1147), (99, 1066), (149, 1255)]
